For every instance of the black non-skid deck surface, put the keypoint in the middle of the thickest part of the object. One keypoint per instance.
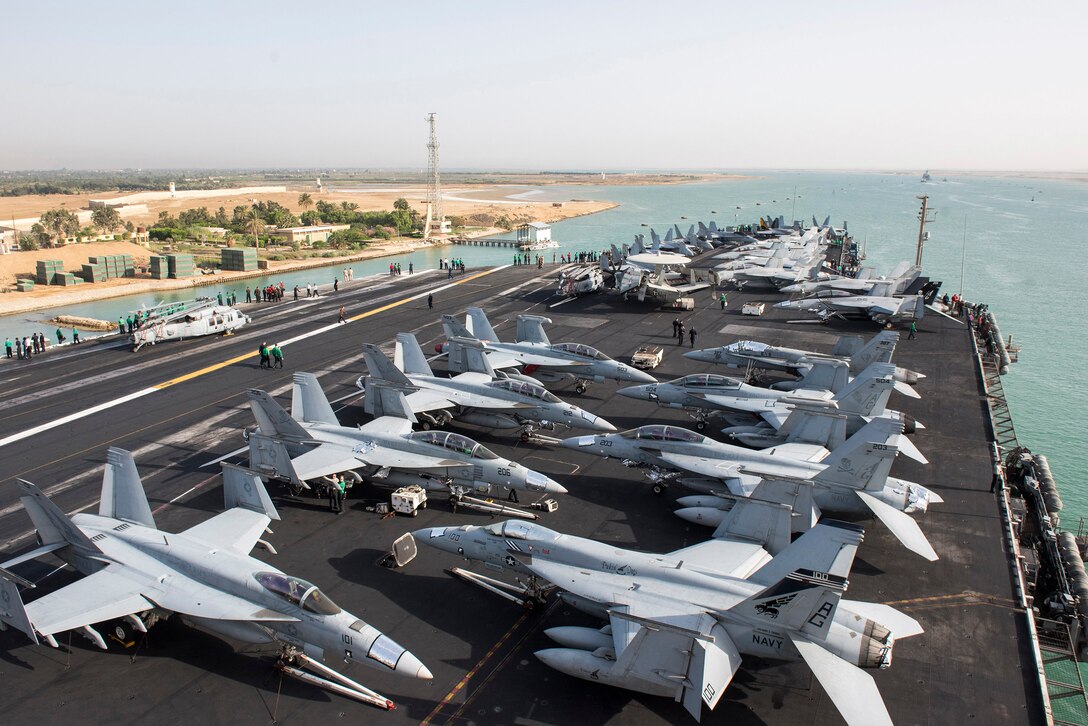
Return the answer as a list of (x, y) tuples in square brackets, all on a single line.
[(971, 665)]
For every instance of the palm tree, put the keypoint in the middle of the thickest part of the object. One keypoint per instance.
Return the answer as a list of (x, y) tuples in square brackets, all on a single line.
[(254, 223), (305, 201)]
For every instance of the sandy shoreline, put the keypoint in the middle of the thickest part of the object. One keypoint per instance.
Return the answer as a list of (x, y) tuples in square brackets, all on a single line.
[(52, 296)]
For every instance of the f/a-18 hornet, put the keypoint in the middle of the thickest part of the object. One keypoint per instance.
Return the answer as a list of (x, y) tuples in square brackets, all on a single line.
[(473, 398), (309, 444), (547, 361), (136, 574), (678, 623), (848, 348), (851, 479)]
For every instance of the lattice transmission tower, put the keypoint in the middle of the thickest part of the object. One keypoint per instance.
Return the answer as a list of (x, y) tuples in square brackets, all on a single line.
[(436, 222)]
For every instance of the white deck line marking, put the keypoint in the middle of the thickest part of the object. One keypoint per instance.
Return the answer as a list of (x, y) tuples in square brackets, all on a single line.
[(166, 384), (76, 416)]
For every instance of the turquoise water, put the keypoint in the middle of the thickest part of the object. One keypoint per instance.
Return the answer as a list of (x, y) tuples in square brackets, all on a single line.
[(1021, 258)]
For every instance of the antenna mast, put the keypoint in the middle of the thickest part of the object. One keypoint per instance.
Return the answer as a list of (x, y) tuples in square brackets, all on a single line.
[(434, 192), (923, 218)]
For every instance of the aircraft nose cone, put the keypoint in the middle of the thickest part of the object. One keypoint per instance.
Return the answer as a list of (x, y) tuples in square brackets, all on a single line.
[(596, 423), (577, 442), (409, 665), (701, 355), (536, 481), (634, 374), (637, 392), (434, 537)]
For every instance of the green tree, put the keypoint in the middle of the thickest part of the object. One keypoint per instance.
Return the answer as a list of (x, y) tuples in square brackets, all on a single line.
[(59, 224), (254, 224), (310, 218), (107, 219), (305, 202), (401, 205)]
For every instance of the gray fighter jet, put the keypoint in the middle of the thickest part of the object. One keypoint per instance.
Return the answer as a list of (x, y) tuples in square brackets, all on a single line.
[(738, 402), (678, 623), (883, 309), (550, 362), (137, 574), (309, 444), (848, 348), (473, 398), (852, 479)]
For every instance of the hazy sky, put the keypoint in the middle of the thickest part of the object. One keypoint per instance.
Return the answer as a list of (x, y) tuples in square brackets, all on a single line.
[(545, 85)]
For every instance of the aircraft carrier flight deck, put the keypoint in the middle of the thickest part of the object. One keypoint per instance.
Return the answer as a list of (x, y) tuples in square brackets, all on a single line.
[(180, 406)]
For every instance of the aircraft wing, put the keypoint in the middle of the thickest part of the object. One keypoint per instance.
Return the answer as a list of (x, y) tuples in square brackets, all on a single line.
[(332, 459), (471, 377), (717, 468), (427, 400), (546, 361), (813, 453), (738, 559), (500, 359), (653, 638), (237, 529), (852, 690), (100, 596)]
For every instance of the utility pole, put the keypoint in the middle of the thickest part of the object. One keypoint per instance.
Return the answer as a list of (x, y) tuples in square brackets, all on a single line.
[(923, 218), (434, 192)]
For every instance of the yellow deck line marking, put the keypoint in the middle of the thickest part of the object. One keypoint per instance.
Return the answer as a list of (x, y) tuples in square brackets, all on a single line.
[(479, 664), (354, 318), (223, 364)]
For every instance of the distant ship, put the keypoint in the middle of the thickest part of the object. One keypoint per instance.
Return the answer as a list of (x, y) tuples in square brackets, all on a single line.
[(925, 176)]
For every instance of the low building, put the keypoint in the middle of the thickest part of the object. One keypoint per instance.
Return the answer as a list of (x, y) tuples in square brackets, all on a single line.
[(309, 235), (534, 232)]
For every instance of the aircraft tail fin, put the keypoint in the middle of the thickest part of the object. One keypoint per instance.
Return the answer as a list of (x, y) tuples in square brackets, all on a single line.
[(847, 345), (479, 326), (272, 418), (868, 393), (408, 356), (764, 517), (243, 488), (52, 524), (123, 495), (804, 600), (828, 547), (309, 403), (454, 329), (381, 367), (826, 374), (814, 425), (12, 610), (387, 399), (531, 329), (467, 355), (270, 457), (865, 460), (878, 350)]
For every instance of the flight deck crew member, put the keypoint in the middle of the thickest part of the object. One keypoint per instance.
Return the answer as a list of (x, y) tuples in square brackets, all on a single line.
[(680, 333), (721, 299), (430, 304), (60, 336), (7, 347), (675, 327), (263, 351), (336, 495), (277, 355), (913, 330), (342, 311), (692, 335), (75, 335)]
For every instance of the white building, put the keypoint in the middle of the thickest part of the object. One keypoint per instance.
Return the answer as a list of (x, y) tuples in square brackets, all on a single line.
[(534, 232)]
